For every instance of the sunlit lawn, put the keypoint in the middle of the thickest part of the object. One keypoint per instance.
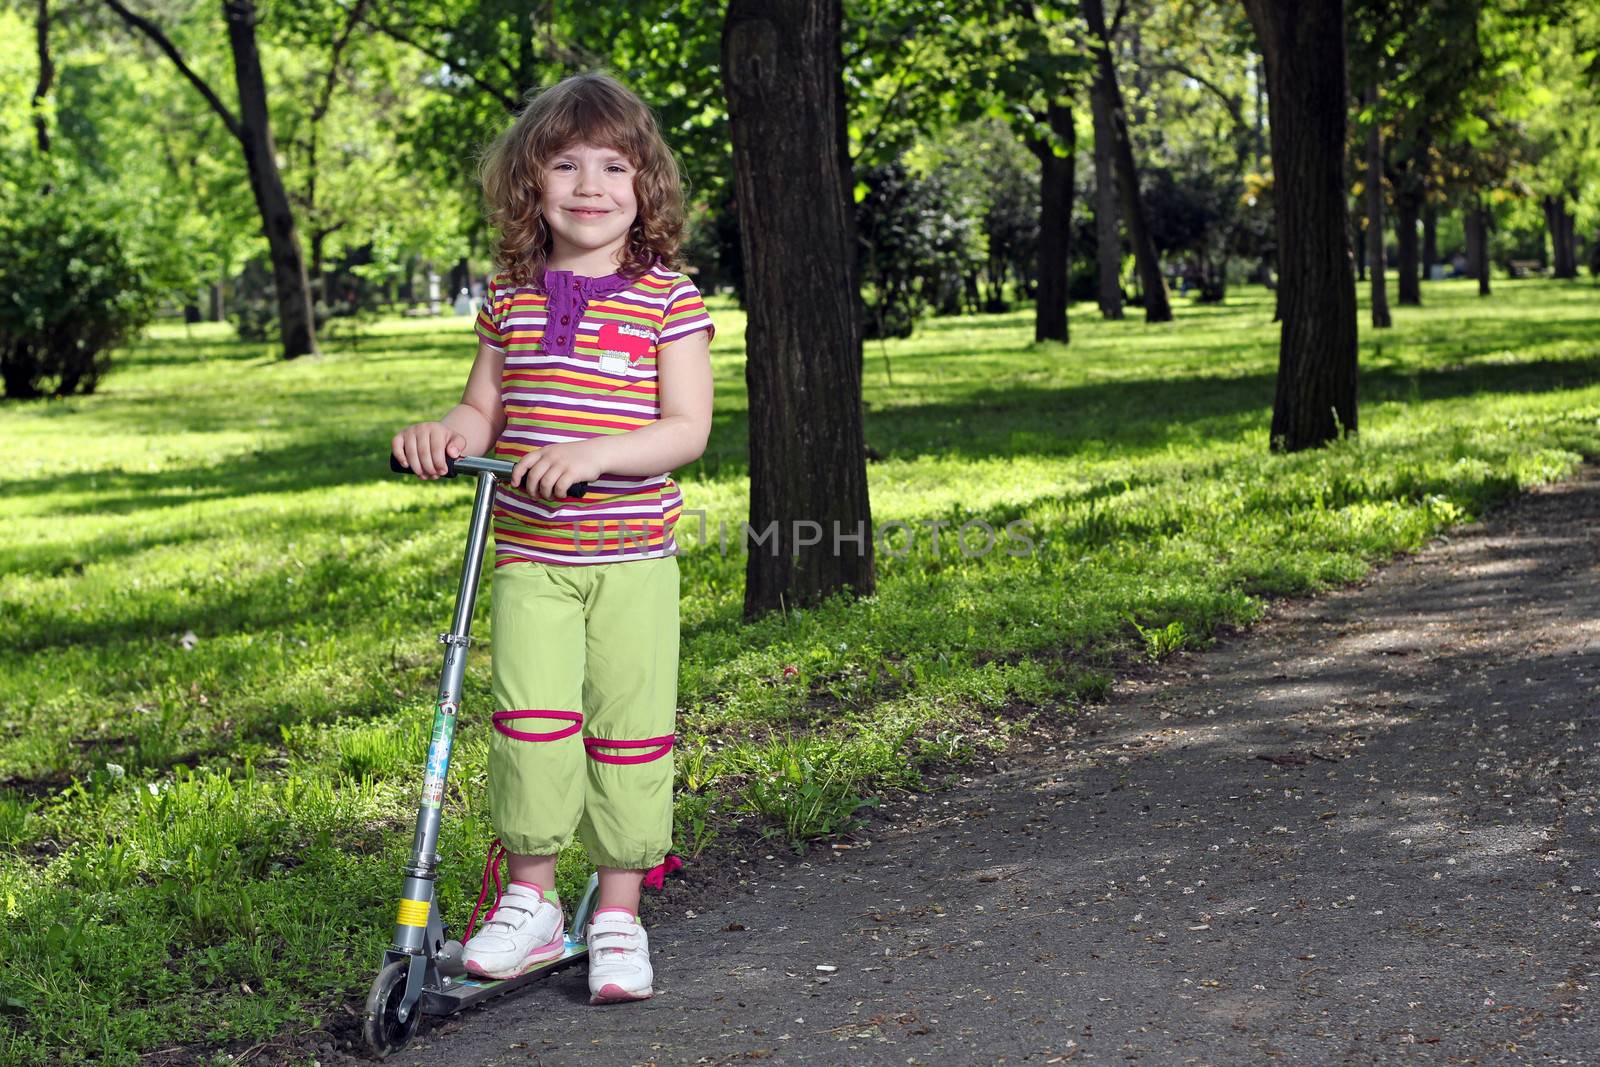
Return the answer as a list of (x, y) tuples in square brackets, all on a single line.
[(218, 614)]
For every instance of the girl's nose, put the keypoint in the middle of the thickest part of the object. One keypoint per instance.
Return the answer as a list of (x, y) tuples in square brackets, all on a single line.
[(588, 180)]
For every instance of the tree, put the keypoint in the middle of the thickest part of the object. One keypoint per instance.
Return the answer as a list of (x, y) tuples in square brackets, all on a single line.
[(1108, 237), (322, 228), (1201, 139), (1562, 128), (1302, 42), (920, 240), (916, 70), (75, 286), (1056, 149), (993, 187), (1038, 70), (1478, 170), (346, 99), (252, 129), (1374, 202), (47, 75), (489, 55), (1409, 180), (1157, 308), (1414, 64), (780, 67)]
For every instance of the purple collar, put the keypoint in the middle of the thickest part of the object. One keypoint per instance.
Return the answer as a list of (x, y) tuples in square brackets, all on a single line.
[(568, 295), (564, 282)]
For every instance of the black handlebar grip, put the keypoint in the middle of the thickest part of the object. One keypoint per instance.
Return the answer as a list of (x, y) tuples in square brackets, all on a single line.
[(400, 468)]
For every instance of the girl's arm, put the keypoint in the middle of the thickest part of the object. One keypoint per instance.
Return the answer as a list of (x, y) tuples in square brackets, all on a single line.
[(469, 429), (678, 437)]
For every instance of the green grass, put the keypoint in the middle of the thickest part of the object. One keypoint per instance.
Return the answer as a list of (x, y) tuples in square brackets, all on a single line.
[(200, 835)]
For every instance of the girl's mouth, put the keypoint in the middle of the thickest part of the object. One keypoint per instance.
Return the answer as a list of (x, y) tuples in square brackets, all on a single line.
[(587, 213)]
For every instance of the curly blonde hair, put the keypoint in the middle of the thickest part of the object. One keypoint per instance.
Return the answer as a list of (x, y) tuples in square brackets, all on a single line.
[(593, 109)]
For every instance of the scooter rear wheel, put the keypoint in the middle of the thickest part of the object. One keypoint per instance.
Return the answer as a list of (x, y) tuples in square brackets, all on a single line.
[(381, 1025)]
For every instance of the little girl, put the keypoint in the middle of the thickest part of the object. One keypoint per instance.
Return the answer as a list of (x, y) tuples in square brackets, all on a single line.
[(593, 366)]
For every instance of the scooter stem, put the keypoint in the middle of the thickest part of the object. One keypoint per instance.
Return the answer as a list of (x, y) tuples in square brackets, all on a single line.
[(410, 927)]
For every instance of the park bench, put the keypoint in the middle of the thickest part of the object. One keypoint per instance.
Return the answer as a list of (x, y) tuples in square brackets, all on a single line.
[(1521, 268)]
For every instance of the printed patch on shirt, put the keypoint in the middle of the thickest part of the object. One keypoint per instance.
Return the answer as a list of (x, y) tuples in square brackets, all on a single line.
[(623, 344)]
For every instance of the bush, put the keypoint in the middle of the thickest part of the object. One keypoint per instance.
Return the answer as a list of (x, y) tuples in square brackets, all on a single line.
[(254, 312), (72, 293), (255, 318), (918, 237)]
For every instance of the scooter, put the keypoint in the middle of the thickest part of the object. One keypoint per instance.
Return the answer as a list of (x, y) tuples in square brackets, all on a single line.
[(422, 970)]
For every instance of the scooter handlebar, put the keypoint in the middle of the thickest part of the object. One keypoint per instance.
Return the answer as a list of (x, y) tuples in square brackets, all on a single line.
[(479, 464)]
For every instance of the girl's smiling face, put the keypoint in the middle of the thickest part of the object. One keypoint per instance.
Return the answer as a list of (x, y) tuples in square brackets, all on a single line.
[(589, 203)]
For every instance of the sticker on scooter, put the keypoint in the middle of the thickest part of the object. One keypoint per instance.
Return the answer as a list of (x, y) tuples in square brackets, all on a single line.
[(444, 728)]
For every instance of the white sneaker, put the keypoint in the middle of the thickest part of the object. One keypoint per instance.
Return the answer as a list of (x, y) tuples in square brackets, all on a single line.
[(619, 959), (523, 931)]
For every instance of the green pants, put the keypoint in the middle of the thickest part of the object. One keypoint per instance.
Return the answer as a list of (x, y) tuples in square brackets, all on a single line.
[(585, 679)]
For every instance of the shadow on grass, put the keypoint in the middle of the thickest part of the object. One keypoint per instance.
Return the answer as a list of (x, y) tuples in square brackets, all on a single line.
[(1141, 415), (260, 602), (1128, 417)]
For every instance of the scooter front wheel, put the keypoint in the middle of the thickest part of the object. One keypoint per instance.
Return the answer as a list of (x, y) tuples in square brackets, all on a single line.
[(381, 1025)]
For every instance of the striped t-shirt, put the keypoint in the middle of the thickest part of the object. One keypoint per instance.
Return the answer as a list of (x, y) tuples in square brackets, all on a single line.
[(580, 362)]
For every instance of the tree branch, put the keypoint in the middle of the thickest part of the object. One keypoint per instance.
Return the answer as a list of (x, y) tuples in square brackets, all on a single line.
[(888, 108), (163, 42), (1116, 19), (325, 99), (1230, 102), (510, 102), (443, 30), (571, 55)]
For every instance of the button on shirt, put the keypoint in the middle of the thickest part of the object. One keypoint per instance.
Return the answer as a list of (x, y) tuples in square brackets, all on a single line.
[(580, 362)]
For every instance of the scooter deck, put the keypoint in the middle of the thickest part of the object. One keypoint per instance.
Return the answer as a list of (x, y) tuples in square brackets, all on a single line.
[(465, 990)]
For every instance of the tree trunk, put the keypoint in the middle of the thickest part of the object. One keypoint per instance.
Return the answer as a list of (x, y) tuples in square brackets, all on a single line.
[(218, 311), (1430, 240), (319, 272), (1108, 238), (1478, 245), (47, 75), (1359, 245), (1265, 275), (1469, 235), (1303, 44), (808, 479), (1055, 225), (1374, 191), (1157, 308), (1563, 237), (1552, 224), (460, 277), (1407, 205), (1569, 241), (295, 320), (252, 128)]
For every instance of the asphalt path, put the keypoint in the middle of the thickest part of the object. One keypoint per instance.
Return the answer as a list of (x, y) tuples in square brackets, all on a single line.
[(1362, 832)]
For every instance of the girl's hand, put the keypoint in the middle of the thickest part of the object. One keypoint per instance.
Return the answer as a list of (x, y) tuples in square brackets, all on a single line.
[(547, 473), (423, 447)]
